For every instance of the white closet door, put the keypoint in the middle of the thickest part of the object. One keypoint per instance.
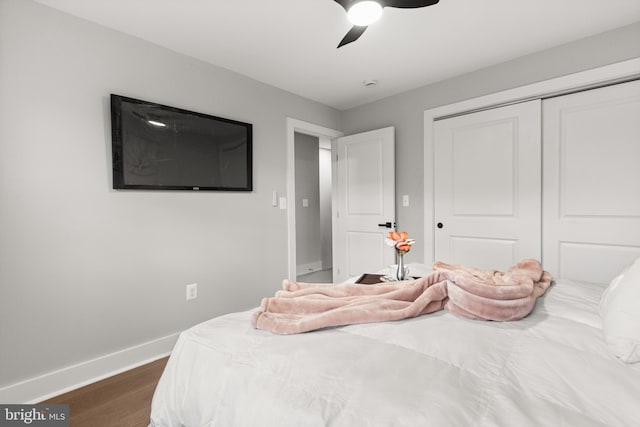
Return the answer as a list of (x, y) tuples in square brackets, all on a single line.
[(487, 187), (592, 182)]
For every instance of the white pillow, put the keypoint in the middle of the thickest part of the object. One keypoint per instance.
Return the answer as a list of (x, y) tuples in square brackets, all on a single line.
[(620, 312)]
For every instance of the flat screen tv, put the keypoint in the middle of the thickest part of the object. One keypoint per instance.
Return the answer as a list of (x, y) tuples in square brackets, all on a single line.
[(157, 147)]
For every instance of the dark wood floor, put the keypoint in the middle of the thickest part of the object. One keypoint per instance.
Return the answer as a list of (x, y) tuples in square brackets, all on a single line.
[(123, 400)]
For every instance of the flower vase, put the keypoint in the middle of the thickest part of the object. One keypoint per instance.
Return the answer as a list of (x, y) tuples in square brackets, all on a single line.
[(400, 272)]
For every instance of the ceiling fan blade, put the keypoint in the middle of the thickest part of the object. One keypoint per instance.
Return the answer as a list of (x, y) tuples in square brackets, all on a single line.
[(344, 3), (407, 4), (353, 34)]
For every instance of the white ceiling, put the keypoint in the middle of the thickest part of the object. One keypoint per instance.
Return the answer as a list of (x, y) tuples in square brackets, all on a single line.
[(291, 44)]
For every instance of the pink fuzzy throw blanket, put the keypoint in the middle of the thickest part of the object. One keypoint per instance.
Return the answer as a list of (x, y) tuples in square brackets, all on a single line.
[(469, 292)]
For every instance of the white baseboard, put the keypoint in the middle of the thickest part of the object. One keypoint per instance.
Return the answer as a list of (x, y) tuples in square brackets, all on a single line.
[(54, 383)]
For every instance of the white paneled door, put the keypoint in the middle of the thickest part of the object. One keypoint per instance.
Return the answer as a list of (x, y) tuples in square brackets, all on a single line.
[(364, 181), (487, 186), (592, 182)]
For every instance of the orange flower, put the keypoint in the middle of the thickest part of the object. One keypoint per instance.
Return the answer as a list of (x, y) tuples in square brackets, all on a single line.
[(405, 247), (398, 236), (400, 240)]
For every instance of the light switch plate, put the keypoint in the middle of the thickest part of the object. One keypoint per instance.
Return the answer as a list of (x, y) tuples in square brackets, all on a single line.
[(192, 291)]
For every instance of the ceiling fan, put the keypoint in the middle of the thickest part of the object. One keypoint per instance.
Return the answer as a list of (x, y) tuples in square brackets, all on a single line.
[(364, 12)]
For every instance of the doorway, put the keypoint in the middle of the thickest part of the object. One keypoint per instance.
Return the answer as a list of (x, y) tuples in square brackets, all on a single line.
[(326, 135), (313, 208), (362, 187)]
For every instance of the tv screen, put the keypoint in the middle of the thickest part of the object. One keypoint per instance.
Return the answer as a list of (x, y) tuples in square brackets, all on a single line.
[(156, 147)]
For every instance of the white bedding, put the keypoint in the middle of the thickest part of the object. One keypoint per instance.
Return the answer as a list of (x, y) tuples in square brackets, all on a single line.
[(550, 369)]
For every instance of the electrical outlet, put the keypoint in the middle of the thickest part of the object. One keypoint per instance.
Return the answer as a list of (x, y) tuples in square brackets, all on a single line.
[(405, 200), (192, 291)]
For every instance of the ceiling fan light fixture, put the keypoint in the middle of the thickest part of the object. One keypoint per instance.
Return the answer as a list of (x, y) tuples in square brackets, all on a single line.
[(364, 13)]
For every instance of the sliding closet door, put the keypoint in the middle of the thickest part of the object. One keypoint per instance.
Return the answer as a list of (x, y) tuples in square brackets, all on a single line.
[(487, 187), (591, 182)]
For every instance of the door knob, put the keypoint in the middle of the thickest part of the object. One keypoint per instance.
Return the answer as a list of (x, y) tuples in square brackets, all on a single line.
[(439, 225), (386, 224)]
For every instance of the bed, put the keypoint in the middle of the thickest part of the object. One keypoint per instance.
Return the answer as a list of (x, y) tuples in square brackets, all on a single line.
[(559, 366)]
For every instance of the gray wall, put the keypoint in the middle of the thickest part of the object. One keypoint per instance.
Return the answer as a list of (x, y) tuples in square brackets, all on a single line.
[(85, 270), (405, 111)]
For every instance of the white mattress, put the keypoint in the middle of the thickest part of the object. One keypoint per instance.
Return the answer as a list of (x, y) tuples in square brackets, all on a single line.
[(550, 369)]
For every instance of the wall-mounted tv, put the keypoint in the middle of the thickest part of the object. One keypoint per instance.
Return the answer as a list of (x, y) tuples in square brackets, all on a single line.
[(157, 147)]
